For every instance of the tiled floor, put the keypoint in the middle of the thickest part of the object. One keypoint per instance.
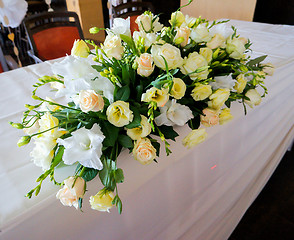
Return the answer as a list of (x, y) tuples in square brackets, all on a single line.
[(271, 216)]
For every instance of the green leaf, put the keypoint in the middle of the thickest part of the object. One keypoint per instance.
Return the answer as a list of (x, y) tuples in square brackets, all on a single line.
[(110, 132), (122, 93), (136, 120), (125, 141), (89, 174), (169, 132), (106, 175), (97, 68), (195, 122), (256, 61), (119, 206), (119, 175), (58, 157), (125, 74), (130, 42), (156, 145)]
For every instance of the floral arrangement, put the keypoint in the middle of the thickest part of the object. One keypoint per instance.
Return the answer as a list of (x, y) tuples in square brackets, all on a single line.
[(139, 86)]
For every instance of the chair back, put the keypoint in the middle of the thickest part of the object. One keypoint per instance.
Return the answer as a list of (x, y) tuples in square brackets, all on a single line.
[(132, 10), (52, 34)]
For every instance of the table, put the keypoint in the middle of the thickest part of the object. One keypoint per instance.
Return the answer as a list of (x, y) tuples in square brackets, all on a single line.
[(200, 193)]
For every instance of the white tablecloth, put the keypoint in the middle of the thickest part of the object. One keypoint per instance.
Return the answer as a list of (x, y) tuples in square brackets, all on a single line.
[(200, 193)]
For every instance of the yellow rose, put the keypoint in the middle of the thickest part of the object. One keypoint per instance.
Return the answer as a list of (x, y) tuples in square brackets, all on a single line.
[(119, 114), (195, 137), (89, 100), (179, 88), (201, 92), (145, 65), (80, 49), (241, 83), (192, 63), (225, 116), (160, 96), (142, 131), (182, 36), (143, 151), (254, 96), (102, 201), (217, 41), (170, 53), (112, 47), (47, 121), (177, 18), (210, 117), (206, 53), (218, 98), (69, 195)]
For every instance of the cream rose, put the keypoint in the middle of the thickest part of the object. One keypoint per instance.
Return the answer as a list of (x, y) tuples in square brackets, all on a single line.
[(177, 18), (201, 92), (241, 83), (102, 201), (195, 137), (225, 116), (71, 192), (89, 100), (112, 47), (170, 53), (200, 34), (192, 63), (178, 89), (254, 96), (206, 53), (160, 96), (143, 151), (182, 36), (235, 48), (217, 41), (218, 98), (80, 49), (210, 117), (142, 131), (119, 114), (145, 65)]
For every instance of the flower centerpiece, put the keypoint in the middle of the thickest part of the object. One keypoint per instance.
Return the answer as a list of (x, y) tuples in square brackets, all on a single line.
[(141, 85)]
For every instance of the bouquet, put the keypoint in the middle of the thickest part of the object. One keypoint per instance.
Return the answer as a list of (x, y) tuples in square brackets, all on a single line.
[(138, 87)]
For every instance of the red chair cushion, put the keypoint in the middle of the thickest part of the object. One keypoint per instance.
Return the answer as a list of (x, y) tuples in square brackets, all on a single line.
[(55, 42), (1, 69), (133, 24)]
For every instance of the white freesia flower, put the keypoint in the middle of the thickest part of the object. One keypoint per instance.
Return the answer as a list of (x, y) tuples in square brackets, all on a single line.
[(79, 75), (221, 29), (148, 38), (12, 12), (174, 113), (112, 47), (84, 146), (223, 82), (120, 26), (190, 21), (200, 34)]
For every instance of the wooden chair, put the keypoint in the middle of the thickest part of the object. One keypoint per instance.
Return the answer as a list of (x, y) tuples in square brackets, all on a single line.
[(132, 10), (51, 34)]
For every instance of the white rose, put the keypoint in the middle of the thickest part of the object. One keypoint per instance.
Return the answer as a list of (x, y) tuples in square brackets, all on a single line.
[(112, 47), (200, 34), (254, 96), (140, 132), (147, 23), (170, 53), (145, 65), (223, 82), (69, 195), (119, 113), (235, 48), (143, 151), (121, 26), (192, 63), (84, 146), (174, 113)]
